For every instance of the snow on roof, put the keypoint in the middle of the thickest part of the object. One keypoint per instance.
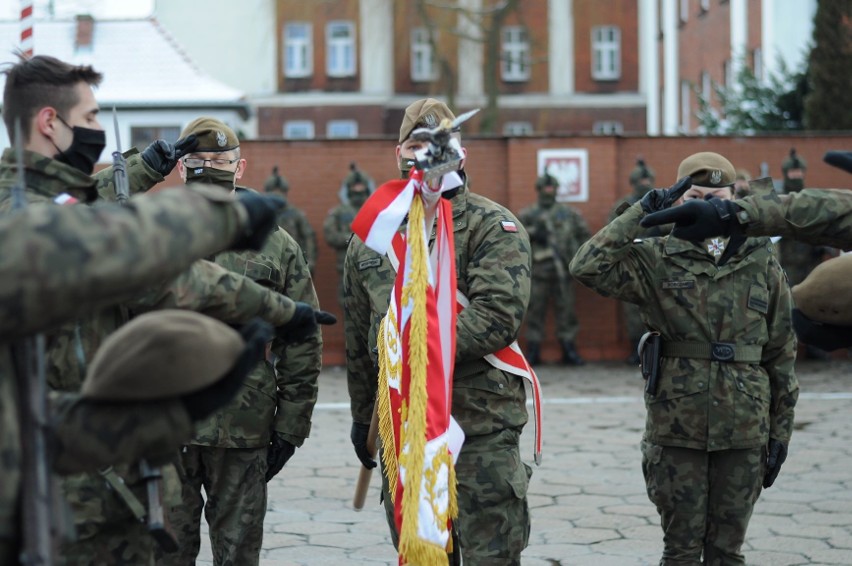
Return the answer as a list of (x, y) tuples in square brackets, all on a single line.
[(143, 66)]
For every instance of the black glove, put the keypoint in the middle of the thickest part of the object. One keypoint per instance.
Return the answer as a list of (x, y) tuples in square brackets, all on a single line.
[(359, 435), (262, 219), (661, 199), (199, 404), (827, 337), (304, 323), (697, 220), (279, 452), (841, 159), (161, 156), (776, 453)]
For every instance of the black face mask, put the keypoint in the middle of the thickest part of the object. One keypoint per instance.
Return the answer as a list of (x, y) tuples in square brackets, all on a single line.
[(85, 149)]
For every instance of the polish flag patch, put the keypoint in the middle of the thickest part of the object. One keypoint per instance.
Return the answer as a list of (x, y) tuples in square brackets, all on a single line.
[(508, 226), (65, 198)]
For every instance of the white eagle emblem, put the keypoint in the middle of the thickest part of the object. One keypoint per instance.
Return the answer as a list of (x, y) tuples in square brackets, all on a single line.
[(715, 176), (221, 139), (431, 120)]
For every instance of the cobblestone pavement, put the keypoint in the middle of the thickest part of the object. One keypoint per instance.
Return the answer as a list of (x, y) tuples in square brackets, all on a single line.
[(587, 499)]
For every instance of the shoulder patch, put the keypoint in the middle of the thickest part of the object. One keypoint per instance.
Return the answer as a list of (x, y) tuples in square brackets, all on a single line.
[(508, 226), (368, 263)]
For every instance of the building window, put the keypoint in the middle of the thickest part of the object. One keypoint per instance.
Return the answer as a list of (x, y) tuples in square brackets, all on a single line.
[(606, 53), (341, 129), (142, 136), (340, 49), (706, 86), (515, 57), (299, 130), (517, 129), (423, 67), (685, 108), (608, 128), (728, 70), (684, 11), (298, 52), (757, 63)]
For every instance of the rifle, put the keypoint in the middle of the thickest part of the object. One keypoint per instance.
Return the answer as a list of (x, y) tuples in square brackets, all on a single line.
[(119, 165), (37, 484)]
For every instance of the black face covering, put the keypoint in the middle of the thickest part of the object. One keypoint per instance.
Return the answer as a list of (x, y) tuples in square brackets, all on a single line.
[(85, 149)]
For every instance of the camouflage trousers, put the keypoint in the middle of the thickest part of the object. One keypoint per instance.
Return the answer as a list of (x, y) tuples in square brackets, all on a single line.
[(493, 525), (122, 544), (547, 285), (234, 481), (705, 500)]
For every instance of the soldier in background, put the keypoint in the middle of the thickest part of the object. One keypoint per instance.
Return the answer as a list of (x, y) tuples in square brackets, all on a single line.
[(338, 224), (799, 258), (57, 263), (719, 364), (493, 261), (556, 231), (245, 444), (641, 180), (741, 186), (292, 219)]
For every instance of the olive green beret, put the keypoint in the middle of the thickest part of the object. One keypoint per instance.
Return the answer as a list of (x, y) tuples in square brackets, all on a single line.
[(425, 113), (824, 294), (546, 180), (162, 354), (276, 182), (641, 171), (355, 177), (707, 169), (212, 134)]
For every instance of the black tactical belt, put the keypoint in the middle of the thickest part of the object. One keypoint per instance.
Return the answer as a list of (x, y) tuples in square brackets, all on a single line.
[(714, 351)]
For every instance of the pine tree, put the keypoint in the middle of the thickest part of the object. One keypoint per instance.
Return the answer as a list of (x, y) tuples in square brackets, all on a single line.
[(830, 71)]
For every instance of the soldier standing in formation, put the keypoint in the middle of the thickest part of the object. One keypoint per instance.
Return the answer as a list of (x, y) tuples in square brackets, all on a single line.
[(642, 181), (721, 386), (58, 263), (556, 231), (292, 219), (493, 262), (62, 141), (243, 445), (338, 224)]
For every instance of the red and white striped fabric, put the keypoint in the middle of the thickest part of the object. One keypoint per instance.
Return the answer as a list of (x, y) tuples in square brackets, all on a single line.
[(27, 28)]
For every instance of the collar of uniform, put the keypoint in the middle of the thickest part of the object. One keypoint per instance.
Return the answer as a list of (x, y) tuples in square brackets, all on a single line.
[(47, 176)]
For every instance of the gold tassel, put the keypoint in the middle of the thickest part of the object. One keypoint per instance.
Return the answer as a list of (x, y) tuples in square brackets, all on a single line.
[(389, 463)]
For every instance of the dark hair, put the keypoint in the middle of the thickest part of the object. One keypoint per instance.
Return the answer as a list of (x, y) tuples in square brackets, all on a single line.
[(40, 81)]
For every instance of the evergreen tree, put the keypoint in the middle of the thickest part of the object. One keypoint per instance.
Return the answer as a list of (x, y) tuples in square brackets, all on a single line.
[(827, 106)]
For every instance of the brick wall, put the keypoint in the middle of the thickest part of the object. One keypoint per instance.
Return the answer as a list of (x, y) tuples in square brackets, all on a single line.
[(505, 170)]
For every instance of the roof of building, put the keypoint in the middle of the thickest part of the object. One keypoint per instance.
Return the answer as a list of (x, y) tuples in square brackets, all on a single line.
[(143, 65)]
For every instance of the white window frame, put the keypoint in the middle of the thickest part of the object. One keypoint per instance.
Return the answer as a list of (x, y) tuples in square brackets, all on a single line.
[(684, 11), (728, 69), (757, 64), (292, 130), (333, 125), (606, 53), (340, 51), (424, 68), (514, 54), (706, 86), (517, 129), (685, 106), (608, 128), (298, 52)]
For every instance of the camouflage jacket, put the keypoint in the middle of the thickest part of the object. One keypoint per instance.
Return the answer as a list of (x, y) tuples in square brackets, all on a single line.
[(280, 398), (815, 216), (60, 262), (70, 347), (337, 229), (296, 223), (687, 297), (493, 272), (556, 233)]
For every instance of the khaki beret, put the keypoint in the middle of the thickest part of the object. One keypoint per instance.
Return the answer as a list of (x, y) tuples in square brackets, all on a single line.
[(824, 294), (707, 169), (162, 354), (213, 135), (425, 113)]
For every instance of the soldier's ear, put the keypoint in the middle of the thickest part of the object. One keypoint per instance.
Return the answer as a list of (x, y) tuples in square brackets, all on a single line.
[(463, 151), (45, 122), (241, 168)]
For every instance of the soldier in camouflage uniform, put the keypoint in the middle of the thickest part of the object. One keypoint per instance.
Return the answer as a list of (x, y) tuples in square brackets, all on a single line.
[(58, 263), (642, 181), (293, 220), (493, 262), (107, 515), (243, 445), (556, 231), (720, 407), (338, 224)]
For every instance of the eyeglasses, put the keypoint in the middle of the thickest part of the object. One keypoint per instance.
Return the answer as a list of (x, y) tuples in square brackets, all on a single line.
[(198, 162)]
